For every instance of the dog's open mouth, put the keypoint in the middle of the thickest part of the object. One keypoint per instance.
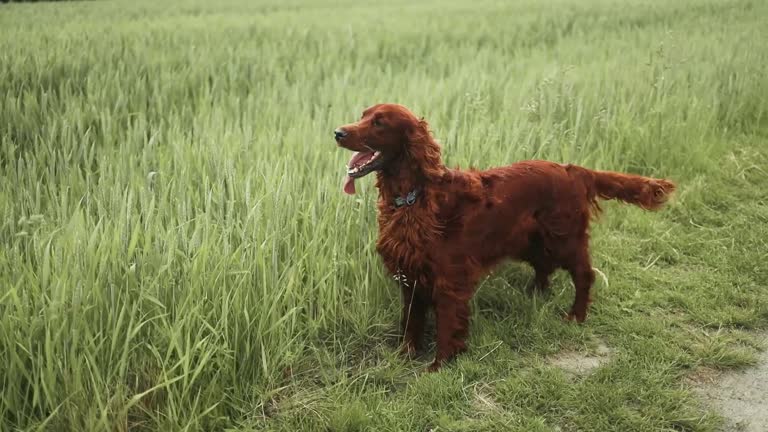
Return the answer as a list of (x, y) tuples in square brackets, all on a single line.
[(361, 164)]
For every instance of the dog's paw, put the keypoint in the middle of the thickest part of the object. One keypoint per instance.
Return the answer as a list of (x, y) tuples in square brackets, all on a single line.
[(435, 366), (571, 316)]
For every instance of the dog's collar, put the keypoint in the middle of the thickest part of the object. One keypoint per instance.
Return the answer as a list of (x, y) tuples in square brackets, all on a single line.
[(407, 200)]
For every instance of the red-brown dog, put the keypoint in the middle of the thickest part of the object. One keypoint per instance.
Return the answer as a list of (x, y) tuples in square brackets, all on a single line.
[(441, 230)]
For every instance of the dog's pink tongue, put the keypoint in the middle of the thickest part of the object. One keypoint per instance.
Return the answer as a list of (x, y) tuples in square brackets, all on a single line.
[(358, 158), (349, 185)]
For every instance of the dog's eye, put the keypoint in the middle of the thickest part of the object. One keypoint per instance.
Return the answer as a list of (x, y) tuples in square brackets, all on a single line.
[(376, 122)]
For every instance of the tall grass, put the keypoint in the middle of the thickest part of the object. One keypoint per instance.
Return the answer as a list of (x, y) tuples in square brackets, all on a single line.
[(173, 232)]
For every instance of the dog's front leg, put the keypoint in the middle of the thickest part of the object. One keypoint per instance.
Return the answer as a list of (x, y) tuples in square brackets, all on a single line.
[(452, 313), (413, 317)]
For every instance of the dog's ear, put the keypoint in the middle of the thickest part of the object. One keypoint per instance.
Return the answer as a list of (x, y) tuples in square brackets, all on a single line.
[(423, 150), (418, 132)]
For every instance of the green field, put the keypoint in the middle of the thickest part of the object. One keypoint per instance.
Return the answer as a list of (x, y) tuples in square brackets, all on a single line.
[(176, 252)]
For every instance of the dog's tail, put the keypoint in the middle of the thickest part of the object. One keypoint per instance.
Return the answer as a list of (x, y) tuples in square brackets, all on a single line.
[(646, 192)]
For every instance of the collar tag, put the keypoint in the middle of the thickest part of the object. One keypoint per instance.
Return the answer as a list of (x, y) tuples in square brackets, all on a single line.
[(409, 199)]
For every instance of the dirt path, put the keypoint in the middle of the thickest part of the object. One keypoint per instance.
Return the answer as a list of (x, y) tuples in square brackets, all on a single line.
[(741, 397), (579, 363)]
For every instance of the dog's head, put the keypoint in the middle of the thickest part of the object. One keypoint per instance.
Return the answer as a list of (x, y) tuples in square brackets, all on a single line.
[(384, 135)]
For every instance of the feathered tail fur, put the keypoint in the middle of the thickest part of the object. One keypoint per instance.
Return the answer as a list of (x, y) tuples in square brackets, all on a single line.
[(646, 192)]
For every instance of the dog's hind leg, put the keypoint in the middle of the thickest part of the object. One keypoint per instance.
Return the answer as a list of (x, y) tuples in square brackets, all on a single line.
[(583, 277), (539, 257), (540, 282)]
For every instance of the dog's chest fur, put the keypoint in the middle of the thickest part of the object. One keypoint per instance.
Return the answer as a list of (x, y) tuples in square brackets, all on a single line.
[(407, 238)]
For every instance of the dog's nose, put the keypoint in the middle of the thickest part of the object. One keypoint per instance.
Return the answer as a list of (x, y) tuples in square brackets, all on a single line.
[(339, 134)]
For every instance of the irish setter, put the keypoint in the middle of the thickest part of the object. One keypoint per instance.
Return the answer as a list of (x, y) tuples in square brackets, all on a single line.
[(441, 230)]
